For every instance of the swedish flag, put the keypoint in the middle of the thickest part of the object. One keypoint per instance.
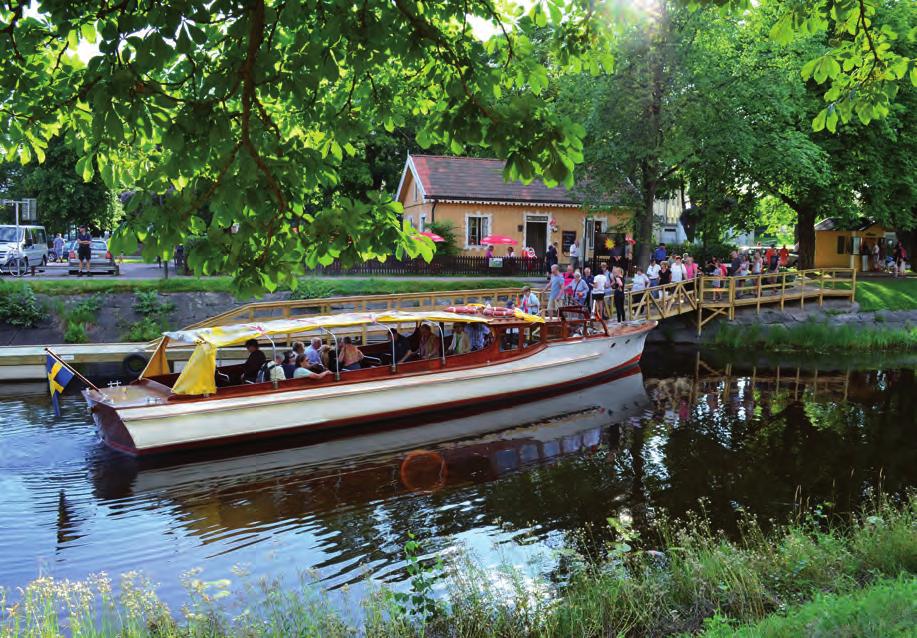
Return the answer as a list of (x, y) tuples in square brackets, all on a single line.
[(58, 378)]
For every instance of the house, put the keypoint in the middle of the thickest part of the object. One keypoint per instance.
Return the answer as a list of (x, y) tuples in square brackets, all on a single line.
[(838, 245), (470, 194)]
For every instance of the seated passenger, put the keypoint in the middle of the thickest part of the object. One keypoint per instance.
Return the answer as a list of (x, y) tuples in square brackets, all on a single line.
[(313, 351), (403, 350), (477, 334), (461, 343), (289, 364), (350, 356), (303, 371), (429, 343), (255, 360), (275, 368)]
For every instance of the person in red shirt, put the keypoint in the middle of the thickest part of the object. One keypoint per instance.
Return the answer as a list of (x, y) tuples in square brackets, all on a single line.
[(784, 256)]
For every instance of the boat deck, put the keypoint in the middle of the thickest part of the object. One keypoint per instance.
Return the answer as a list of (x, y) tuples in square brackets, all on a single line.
[(141, 393)]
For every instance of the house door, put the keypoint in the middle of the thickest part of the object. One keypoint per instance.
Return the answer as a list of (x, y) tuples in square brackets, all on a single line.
[(536, 236)]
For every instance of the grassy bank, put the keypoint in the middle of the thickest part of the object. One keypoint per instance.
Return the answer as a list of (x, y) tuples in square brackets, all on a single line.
[(887, 294), (309, 288), (887, 609), (806, 572), (811, 336)]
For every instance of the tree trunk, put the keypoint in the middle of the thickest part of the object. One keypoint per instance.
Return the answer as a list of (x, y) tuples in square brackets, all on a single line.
[(805, 236), (643, 221)]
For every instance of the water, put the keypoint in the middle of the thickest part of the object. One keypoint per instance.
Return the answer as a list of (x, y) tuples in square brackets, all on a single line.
[(686, 433)]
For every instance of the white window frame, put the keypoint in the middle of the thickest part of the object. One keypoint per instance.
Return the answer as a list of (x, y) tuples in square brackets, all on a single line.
[(589, 240), (536, 217), (488, 230), (422, 222)]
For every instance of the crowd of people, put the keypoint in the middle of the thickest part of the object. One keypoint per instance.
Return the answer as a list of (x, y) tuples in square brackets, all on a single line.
[(604, 290)]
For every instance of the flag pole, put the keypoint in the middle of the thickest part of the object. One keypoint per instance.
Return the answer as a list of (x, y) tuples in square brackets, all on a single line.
[(75, 372)]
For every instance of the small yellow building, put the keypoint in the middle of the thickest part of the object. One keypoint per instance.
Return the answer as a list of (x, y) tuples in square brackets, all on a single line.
[(470, 194), (840, 246)]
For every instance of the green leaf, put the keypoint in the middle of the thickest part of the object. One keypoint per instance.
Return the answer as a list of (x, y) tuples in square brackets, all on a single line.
[(88, 32), (818, 123), (831, 119)]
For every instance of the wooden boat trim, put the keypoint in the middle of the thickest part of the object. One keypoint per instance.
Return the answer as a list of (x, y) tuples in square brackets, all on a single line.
[(422, 379)]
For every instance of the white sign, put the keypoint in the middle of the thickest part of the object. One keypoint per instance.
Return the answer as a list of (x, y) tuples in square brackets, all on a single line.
[(496, 262)]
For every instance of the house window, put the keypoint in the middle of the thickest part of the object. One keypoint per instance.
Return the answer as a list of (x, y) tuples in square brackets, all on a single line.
[(476, 228), (841, 245)]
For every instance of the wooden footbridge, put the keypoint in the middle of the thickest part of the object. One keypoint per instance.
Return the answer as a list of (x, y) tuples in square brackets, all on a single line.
[(703, 299)]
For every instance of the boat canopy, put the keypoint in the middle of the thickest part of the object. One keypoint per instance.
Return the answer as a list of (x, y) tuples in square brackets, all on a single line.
[(198, 376)]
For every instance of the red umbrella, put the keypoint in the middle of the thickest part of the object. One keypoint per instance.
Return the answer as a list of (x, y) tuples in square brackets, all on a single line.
[(499, 239), (432, 236)]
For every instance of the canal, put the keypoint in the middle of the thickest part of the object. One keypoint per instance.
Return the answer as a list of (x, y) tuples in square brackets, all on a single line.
[(689, 432)]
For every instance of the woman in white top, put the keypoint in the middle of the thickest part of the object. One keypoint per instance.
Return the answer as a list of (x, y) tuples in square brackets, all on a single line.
[(679, 272), (599, 285)]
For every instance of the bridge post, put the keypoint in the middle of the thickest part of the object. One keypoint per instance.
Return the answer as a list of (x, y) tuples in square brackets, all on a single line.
[(699, 298), (853, 286), (732, 298)]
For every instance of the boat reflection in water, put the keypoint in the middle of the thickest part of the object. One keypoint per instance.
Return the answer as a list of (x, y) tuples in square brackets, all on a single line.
[(254, 491)]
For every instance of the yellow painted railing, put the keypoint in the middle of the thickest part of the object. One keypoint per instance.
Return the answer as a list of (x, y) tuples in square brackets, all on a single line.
[(707, 297)]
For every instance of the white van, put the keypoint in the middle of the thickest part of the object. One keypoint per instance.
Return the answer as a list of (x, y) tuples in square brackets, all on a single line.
[(25, 242)]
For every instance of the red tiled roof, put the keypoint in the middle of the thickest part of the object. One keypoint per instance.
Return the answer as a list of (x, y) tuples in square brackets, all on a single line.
[(479, 179)]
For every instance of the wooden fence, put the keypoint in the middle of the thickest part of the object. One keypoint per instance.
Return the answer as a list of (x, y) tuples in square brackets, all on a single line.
[(445, 265)]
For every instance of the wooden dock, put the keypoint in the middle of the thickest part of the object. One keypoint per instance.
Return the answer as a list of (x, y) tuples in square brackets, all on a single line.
[(703, 298)]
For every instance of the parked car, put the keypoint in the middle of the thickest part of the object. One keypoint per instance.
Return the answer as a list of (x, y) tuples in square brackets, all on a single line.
[(28, 243), (101, 262)]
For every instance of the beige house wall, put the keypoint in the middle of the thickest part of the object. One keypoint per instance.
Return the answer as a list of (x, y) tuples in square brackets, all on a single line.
[(504, 219)]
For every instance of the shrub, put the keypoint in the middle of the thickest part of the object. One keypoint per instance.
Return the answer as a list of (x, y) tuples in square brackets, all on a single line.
[(446, 230), (148, 303), (75, 333), (144, 329), (19, 307)]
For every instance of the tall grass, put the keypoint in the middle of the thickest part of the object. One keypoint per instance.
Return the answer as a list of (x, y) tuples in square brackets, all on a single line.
[(813, 336), (698, 580)]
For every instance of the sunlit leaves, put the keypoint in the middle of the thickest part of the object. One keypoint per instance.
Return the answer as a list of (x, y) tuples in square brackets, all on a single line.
[(231, 125)]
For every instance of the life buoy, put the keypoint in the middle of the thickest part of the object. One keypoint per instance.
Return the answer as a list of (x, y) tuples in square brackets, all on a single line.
[(462, 310), (499, 312), (133, 364)]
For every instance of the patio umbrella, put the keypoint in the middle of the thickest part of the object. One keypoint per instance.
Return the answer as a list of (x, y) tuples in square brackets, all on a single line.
[(432, 236), (499, 239)]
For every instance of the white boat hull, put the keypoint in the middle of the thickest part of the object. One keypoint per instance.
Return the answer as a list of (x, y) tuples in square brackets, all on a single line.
[(170, 426)]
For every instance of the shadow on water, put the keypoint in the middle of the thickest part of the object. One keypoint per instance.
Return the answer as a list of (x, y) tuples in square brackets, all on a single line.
[(511, 483)]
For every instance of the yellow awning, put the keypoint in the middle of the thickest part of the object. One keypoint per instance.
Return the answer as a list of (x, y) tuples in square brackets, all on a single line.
[(198, 375), (222, 336)]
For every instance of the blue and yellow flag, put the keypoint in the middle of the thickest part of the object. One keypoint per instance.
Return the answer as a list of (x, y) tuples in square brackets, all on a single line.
[(58, 378)]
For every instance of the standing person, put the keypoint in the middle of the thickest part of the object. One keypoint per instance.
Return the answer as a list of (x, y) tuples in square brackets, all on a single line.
[(770, 252), (900, 255), (574, 256), (555, 290), (713, 270), (489, 253), (599, 284), (568, 283), (617, 289), (735, 264), (652, 272), (757, 265), (590, 280), (876, 259), (784, 257), (660, 253), (529, 301), (550, 257), (665, 277), (678, 270), (579, 291), (59, 248), (84, 249), (865, 252), (628, 256), (640, 283)]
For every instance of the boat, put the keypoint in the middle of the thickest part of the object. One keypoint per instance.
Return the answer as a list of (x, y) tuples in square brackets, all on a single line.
[(356, 468), (207, 404)]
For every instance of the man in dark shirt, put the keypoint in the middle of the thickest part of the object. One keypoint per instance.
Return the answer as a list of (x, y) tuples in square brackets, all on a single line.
[(402, 346), (735, 264), (255, 360), (84, 248)]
